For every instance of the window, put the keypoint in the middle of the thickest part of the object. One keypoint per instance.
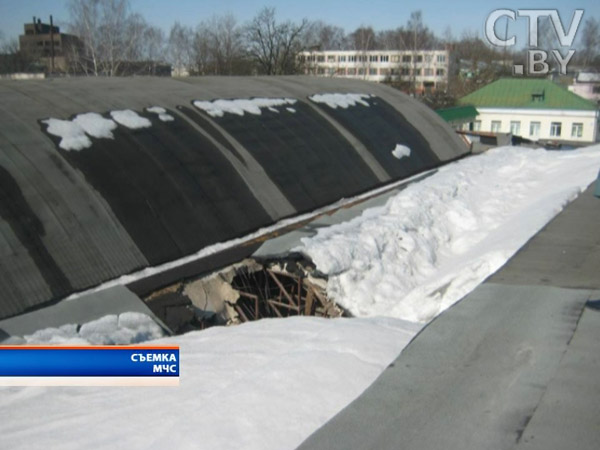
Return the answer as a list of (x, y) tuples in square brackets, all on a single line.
[(428, 58), (440, 72), (555, 129), (384, 58), (477, 125), (534, 129), (342, 58), (577, 130), (361, 71), (596, 89), (384, 72), (515, 127), (321, 58), (395, 58), (330, 58), (419, 58), (362, 58), (496, 125), (352, 58), (417, 72), (441, 58), (405, 71), (406, 58), (373, 58), (351, 71), (428, 72), (321, 71), (372, 71)]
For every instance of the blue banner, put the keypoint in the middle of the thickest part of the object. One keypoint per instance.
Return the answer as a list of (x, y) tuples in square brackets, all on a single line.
[(89, 361)]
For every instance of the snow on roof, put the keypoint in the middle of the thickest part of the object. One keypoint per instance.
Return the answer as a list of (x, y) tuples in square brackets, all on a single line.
[(233, 382), (219, 107), (436, 240), (126, 328), (130, 119), (429, 245), (340, 100), (95, 125), (72, 135), (162, 113), (401, 151)]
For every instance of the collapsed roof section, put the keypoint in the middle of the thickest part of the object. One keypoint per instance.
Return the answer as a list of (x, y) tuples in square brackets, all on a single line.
[(103, 177)]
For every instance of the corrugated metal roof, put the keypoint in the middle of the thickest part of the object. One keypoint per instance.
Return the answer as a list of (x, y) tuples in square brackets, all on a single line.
[(530, 93)]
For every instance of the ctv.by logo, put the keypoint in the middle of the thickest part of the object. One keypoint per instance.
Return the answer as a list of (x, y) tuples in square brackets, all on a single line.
[(536, 59)]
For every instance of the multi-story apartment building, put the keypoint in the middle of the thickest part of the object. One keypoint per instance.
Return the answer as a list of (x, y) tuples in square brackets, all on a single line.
[(423, 69)]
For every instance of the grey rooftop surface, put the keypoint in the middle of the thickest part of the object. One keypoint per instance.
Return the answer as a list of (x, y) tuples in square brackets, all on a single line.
[(513, 365), (73, 219)]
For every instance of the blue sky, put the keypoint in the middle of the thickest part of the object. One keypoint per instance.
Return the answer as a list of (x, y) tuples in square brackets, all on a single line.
[(460, 15)]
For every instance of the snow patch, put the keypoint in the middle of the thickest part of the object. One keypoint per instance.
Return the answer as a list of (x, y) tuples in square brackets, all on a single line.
[(292, 110), (130, 119), (72, 135), (95, 125), (156, 110), (401, 151), (161, 112), (340, 100), (438, 239), (220, 107)]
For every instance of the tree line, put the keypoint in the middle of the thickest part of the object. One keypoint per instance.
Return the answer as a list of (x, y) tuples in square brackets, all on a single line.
[(111, 34), (113, 37)]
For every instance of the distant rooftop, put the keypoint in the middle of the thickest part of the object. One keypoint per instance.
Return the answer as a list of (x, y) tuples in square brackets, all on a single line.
[(526, 93), (457, 113), (588, 77)]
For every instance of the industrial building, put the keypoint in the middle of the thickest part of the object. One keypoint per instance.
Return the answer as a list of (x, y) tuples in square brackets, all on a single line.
[(46, 44)]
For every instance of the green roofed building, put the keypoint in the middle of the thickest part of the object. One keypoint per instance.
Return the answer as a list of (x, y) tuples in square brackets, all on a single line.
[(536, 109), (457, 116)]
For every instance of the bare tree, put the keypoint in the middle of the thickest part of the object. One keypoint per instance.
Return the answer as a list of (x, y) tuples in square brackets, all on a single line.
[(323, 36), (153, 48), (85, 24), (227, 46), (590, 40), (363, 39), (181, 48), (110, 32), (272, 45), (415, 25), (393, 39), (218, 47), (201, 50)]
